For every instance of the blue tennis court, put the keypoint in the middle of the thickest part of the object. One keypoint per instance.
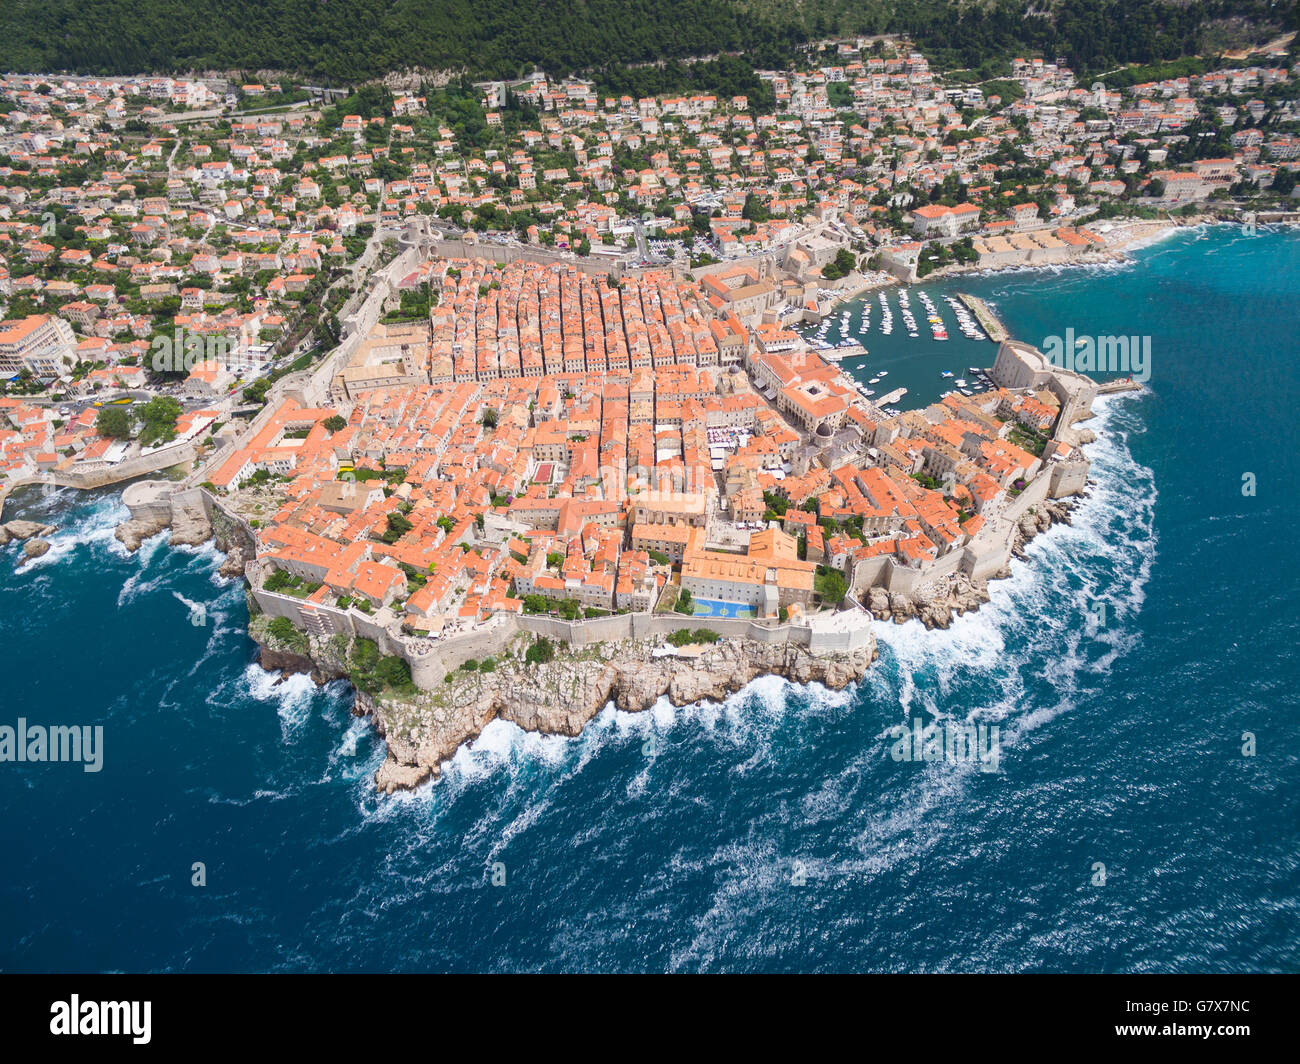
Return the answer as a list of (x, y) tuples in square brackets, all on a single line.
[(714, 608)]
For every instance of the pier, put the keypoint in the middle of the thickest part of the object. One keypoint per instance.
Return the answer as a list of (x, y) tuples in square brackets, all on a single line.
[(892, 397), (837, 354), (985, 316)]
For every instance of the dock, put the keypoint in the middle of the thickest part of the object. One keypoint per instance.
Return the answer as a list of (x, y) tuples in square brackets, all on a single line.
[(892, 397), (839, 354), (984, 315)]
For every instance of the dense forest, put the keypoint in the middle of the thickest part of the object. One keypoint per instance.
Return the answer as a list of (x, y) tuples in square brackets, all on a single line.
[(351, 40)]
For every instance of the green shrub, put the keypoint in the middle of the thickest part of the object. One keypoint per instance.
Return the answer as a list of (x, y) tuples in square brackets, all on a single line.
[(542, 651)]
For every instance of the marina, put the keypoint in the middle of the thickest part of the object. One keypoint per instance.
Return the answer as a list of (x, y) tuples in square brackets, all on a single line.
[(923, 335)]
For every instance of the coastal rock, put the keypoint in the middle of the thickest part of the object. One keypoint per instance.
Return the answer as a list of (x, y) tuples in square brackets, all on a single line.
[(190, 526), (32, 549), (900, 608), (286, 662), (934, 605), (878, 601), (321, 667), (395, 776), (1040, 519), (560, 697), (233, 564), (26, 530), (134, 531)]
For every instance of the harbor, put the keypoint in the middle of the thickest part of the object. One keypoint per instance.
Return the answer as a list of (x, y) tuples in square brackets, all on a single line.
[(930, 340)]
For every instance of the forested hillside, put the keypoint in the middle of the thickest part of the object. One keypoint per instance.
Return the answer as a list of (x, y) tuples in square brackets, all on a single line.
[(350, 40)]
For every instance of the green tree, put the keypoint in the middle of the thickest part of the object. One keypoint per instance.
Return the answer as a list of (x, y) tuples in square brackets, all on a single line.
[(832, 586), (398, 526), (113, 421), (158, 420)]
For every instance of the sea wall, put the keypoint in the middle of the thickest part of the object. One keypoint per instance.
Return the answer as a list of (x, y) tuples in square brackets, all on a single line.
[(431, 659)]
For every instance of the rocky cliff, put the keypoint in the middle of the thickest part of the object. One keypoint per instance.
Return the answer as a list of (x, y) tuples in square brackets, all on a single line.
[(1040, 519), (422, 729), (20, 530), (188, 523), (934, 605), (560, 697)]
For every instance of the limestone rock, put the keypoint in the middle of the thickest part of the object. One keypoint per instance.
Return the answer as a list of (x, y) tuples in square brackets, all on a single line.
[(190, 527), (32, 549), (560, 697), (233, 565), (134, 531), (393, 776), (26, 530)]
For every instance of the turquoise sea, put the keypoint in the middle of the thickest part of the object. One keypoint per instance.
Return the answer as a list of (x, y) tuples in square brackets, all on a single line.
[(772, 832)]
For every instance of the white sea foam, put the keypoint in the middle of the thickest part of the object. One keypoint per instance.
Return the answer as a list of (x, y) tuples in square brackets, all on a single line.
[(292, 697), (63, 545), (1038, 623)]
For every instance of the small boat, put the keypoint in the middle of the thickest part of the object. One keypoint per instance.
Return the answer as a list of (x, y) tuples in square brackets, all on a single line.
[(946, 373)]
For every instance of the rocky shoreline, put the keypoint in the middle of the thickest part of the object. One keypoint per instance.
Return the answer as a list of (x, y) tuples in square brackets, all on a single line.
[(560, 697), (1041, 518), (423, 729), (33, 533), (189, 527)]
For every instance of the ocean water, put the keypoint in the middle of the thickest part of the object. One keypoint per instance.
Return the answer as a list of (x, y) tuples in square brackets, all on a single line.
[(772, 832)]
